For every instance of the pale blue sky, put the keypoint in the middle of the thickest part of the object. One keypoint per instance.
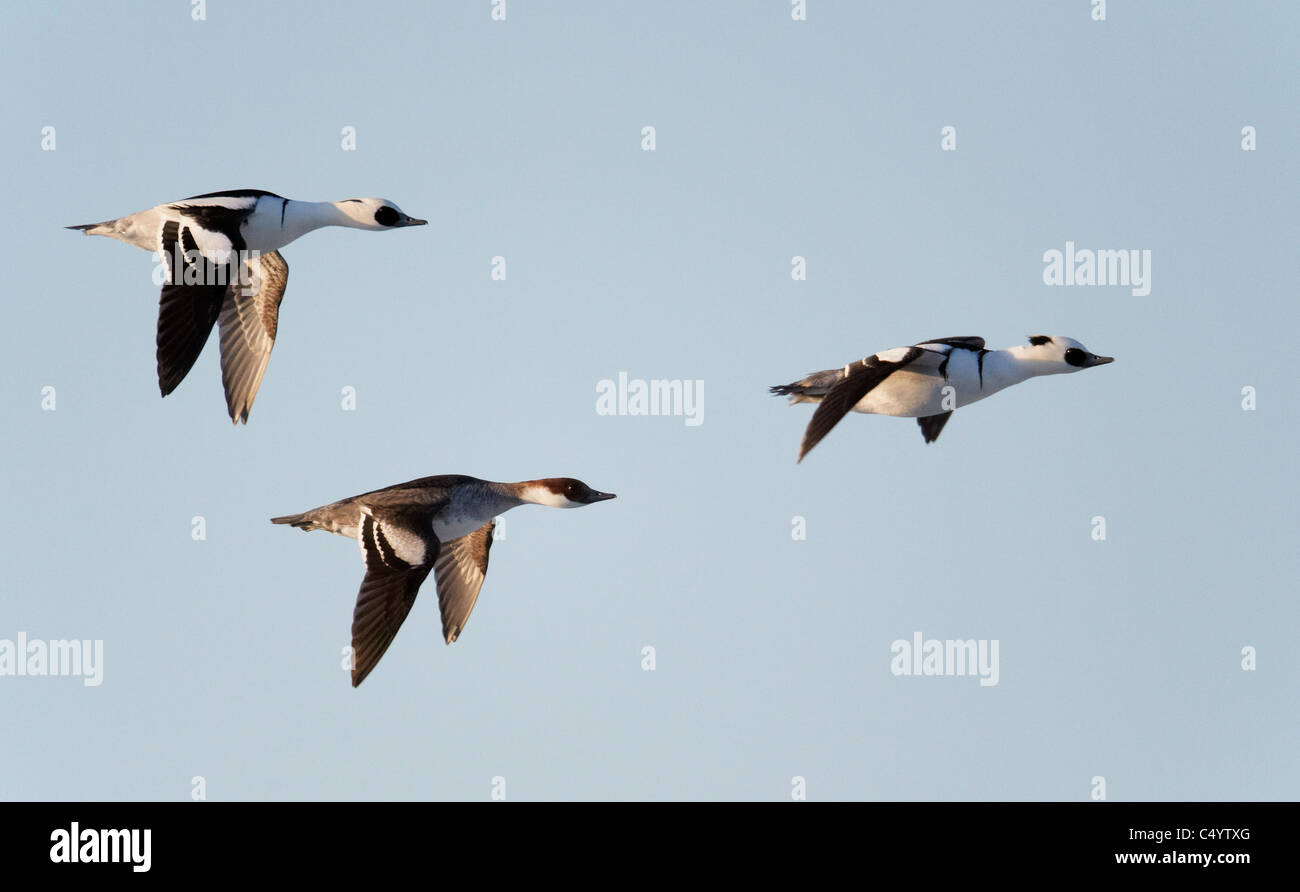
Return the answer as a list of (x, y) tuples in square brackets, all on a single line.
[(775, 138)]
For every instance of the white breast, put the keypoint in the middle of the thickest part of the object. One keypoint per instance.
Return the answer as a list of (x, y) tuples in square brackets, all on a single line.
[(904, 394), (262, 230)]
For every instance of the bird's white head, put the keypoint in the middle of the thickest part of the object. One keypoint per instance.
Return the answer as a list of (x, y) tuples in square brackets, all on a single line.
[(375, 213), (560, 492), (1057, 354)]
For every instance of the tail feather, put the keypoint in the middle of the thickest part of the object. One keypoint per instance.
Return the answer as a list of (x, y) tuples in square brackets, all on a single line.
[(301, 521), (810, 389), (105, 228)]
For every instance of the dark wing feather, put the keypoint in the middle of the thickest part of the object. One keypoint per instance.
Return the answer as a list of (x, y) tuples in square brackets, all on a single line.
[(382, 605), (389, 588), (228, 221), (249, 318), (861, 379), (424, 492), (186, 313), (970, 343), (931, 425), (235, 193), (460, 570)]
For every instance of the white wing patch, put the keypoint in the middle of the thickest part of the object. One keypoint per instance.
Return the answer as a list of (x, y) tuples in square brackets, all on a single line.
[(893, 354), (214, 246), (401, 543), (409, 546)]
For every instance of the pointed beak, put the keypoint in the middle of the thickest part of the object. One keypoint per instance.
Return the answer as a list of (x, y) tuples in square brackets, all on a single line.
[(411, 221), (600, 496), (1100, 360)]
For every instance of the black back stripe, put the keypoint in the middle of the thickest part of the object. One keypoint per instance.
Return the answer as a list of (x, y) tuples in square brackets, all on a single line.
[(216, 218), (968, 342), (1039, 340), (236, 193)]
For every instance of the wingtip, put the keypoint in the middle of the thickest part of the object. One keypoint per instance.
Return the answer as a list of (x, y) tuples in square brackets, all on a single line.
[(804, 448)]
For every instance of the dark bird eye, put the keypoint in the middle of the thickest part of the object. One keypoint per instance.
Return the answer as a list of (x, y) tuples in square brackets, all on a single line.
[(385, 216), (1075, 356)]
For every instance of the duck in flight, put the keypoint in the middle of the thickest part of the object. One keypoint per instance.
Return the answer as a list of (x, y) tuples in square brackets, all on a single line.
[(442, 525), (927, 381), (222, 261)]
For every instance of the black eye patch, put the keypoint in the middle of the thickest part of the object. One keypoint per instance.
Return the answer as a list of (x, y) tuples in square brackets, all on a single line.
[(385, 216), (1075, 356), (579, 492)]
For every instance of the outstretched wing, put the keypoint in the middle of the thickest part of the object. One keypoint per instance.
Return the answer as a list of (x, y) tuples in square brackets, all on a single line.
[(186, 312), (249, 318), (860, 379), (460, 570), (399, 555)]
